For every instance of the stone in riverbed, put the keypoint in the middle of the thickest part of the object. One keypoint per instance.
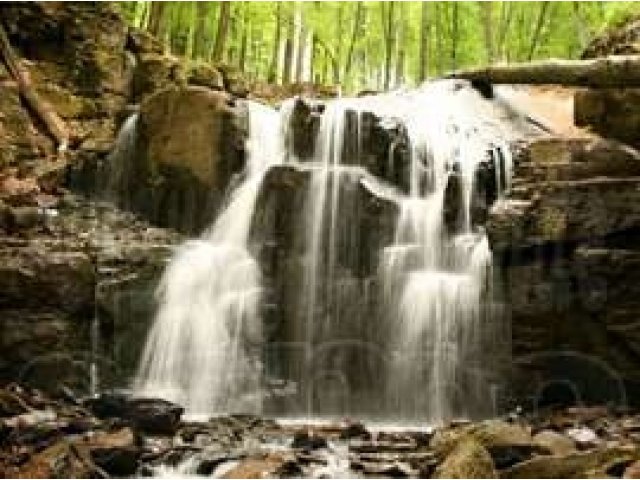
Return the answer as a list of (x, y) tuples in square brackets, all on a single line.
[(355, 430), (507, 443), (308, 441), (597, 463), (554, 442), (469, 459), (150, 415), (115, 452)]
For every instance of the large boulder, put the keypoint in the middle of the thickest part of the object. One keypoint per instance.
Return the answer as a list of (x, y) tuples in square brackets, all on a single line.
[(190, 142), (610, 112), (468, 459)]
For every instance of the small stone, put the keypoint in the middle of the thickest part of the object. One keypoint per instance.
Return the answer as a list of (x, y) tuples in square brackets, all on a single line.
[(354, 430), (308, 441)]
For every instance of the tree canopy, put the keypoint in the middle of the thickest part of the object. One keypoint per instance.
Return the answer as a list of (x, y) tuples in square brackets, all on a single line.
[(372, 45)]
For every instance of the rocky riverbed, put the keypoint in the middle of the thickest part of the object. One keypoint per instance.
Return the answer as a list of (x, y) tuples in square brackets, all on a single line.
[(114, 435)]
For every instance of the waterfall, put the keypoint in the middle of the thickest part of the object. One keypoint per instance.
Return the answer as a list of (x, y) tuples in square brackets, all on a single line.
[(203, 350), (436, 280), (412, 337), (120, 161)]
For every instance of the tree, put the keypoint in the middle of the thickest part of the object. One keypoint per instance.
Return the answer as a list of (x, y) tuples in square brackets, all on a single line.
[(156, 20), (272, 76), (387, 25), (354, 36), (544, 7), (221, 34), (425, 33), (487, 23)]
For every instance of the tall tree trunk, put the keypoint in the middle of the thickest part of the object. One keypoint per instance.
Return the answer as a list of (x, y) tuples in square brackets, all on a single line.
[(354, 36), (288, 61), (387, 26), (190, 47), (544, 7), (242, 57), (581, 27), (506, 15), (200, 40), (156, 20), (454, 36), (439, 35), (400, 30), (311, 44), (272, 76), (423, 67), (222, 32), (300, 54), (296, 39), (487, 27)]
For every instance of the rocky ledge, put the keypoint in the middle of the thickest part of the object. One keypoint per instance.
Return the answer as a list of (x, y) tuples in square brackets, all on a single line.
[(77, 284), (114, 435)]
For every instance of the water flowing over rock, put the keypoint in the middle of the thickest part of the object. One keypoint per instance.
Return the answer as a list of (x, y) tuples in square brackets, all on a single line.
[(333, 282), (199, 352)]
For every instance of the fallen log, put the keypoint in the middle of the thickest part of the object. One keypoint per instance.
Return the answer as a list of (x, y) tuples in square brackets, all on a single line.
[(40, 107), (613, 71)]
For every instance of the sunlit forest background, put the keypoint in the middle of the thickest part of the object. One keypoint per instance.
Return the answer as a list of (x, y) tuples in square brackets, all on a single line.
[(371, 44)]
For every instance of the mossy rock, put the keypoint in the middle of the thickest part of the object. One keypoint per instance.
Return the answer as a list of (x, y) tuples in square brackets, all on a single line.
[(469, 459), (599, 463)]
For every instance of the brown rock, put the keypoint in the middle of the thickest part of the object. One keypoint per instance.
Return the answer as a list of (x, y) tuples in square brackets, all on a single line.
[(592, 464), (633, 470), (155, 72), (611, 112), (469, 459), (554, 442), (205, 75), (114, 452), (190, 143), (264, 466)]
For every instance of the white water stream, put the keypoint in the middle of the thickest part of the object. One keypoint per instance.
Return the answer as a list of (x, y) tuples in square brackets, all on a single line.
[(204, 349)]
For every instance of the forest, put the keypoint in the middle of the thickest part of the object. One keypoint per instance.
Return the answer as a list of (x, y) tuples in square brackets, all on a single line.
[(375, 45)]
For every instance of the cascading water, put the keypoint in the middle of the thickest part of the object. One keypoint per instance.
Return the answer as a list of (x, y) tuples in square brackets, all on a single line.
[(412, 338), (204, 348), (436, 279)]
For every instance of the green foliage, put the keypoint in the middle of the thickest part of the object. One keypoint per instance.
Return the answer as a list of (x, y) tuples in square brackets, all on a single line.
[(373, 44)]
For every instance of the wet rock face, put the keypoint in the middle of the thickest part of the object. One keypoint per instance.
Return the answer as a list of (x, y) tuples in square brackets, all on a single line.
[(81, 267), (380, 145), (281, 240), (565, 246), (149, 415)]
